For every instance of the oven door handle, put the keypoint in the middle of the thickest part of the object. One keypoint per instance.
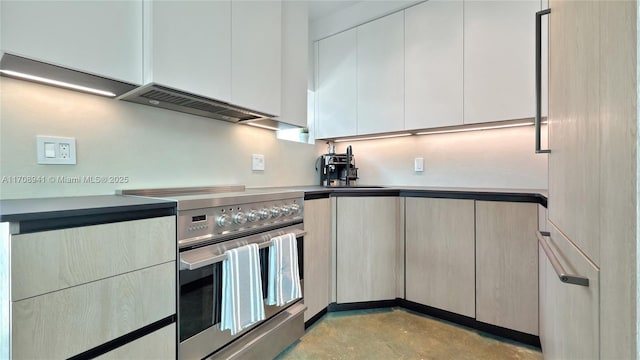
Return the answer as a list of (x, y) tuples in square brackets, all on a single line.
[(197, 259)]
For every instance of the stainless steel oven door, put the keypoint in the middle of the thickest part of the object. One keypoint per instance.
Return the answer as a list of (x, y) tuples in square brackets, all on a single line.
[(200, 293)]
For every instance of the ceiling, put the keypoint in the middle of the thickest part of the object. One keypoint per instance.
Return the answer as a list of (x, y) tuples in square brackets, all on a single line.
[(321, 8)]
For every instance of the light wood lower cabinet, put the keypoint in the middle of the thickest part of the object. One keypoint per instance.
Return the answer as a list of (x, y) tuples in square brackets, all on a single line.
[(368, 229), (67, 322), (157, 345), (317, 255), (440, 270), (569, 321), (507, 265)]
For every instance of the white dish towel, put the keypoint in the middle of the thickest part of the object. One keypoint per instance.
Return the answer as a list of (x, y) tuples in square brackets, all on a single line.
[(242, 304), (284, 277)]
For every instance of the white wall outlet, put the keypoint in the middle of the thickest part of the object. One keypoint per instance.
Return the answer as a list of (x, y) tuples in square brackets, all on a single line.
[(418, 164), (56, 150), (257, 162)]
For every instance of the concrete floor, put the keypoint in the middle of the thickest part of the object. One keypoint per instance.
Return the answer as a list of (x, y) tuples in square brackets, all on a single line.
[(397, 333)]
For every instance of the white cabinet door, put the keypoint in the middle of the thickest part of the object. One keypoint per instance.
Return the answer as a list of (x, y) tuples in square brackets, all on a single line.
[(188, 45), (499, 60), (433, 64), (295, 56), (440, 256), (380, 75), (336, 87), (367, 235), (98, 37), (256, 46)]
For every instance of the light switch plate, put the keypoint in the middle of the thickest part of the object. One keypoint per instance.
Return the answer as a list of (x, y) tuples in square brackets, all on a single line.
[(418, 164), (257, 162), (53, 150)]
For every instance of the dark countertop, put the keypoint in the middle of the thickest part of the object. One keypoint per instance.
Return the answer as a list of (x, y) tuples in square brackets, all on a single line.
[(61, 212)]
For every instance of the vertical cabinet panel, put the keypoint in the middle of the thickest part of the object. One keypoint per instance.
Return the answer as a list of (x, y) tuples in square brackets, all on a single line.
[(256, 52), (499, 60), (188, 46), (570, 324), (317, 255), (380, 75), (336, 87), (367, 233), (433, 64), (574, 123), (98, 37), (507, 265), (440, 270)]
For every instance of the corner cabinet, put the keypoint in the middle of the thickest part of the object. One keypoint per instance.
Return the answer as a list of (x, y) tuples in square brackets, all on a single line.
[(317, 255), (507, 265), (75, 289), (499, 60), (98, 37), (440, 256), (367, 236)]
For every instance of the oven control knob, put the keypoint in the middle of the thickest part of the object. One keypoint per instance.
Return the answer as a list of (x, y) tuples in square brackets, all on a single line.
[(239, 218), (252, 216), (285, 210), (264, 213), (275, 212), (223, 220), (295, 209)]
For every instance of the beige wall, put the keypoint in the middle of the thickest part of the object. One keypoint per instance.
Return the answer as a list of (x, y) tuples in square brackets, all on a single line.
[(500, 158), (153, 147)]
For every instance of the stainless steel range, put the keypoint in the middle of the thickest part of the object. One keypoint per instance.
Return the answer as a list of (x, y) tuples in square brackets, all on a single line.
[(210, 221)]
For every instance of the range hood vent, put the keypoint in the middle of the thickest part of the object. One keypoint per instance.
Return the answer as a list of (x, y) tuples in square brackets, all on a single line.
[(171, 99)]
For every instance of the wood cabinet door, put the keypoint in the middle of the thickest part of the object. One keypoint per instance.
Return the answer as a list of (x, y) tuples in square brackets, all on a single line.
[(187, 46), (574, 123), (380, 75), (98, 37), (570, 321), (317, 255), (499, 60), (336, 86), (256, 54), (507, 265), (159, 345), (433, 64), (367, 235), (440, 256)]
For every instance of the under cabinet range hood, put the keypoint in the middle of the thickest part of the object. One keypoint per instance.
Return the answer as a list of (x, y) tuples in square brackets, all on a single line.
[(176, 100)]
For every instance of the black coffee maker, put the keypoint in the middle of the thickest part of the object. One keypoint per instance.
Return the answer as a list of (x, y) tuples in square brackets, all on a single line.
[(338, 170)]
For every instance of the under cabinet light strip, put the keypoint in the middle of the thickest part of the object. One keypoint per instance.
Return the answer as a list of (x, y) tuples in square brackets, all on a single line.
[(57, 83), (373, 137), (262, 126), (473, 129)]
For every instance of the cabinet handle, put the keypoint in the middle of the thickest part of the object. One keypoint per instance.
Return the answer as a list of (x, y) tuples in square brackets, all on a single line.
[(539, 15), (562, 275)]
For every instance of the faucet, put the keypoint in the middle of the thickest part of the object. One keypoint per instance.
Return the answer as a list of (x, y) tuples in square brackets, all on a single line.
[(347, 168)]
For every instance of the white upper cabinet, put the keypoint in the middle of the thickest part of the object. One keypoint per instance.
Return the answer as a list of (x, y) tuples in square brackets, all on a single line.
[(256, 52), (499, 60), (433, 64), (295, 58), (97, 37), (336, 86), (188, 46), (380, 75)]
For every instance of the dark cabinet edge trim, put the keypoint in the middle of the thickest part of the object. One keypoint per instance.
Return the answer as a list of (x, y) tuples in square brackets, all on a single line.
[(367, 193), (528, 339), (46, 224), (125, 339), (483, 196), (317, 195)]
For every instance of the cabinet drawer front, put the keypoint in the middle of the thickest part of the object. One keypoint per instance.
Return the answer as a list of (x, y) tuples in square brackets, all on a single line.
[(67, 322), (160, 344), (53, 260)]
